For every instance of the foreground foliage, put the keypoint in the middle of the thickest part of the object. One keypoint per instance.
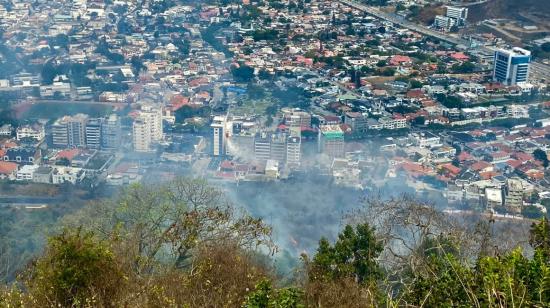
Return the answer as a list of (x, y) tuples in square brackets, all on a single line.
[(182, 245)]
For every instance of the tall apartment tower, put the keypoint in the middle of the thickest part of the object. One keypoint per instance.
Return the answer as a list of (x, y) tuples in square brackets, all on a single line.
[(142, 138), (93, 133), (60, 134), (512, 66), (514, 195), (147, 129), (218, 135), (70, 131), (459, 14), (331, 141), (262, 146), (293, 152), (153, 114), (278, 147), (110, 132), (295, 120)]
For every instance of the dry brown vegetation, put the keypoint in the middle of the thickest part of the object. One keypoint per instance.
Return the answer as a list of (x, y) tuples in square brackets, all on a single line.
[(183, 245)]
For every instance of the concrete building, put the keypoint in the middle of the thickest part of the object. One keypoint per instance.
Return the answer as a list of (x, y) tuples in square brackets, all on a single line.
[(93, 133), (71, 175), (142, 139), (511, 66), (110, 132), (493, 197), (514, 195), (331, 141), (272, 168), (295, 119), (262, 146), (278, 148), (26, 172), (357, 121), (36, 131), (60, 134), (218, 135), (147, 128), (43, 175), (443, 22), (70, 131), (425, 139), (271, 146), (459, 14), (6, 130), (293, 152)]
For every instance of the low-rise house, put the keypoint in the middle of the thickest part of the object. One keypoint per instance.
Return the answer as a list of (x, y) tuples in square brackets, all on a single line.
[(26, 172), (35, 131), (8, 170), (6, 130), (21, 155), (71, 175), (43, 174)]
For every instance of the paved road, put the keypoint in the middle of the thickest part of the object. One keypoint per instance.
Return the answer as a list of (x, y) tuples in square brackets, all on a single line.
[(538, 69)]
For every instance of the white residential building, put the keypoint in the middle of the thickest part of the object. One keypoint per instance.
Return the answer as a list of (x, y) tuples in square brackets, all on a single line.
[(36, 131), (71, 175), (512, 66), (218, 135), (147, 129), (25, 173), (293, 152)]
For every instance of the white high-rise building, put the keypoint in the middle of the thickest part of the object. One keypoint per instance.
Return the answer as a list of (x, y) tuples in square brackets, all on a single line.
[(110, 132), (142, 135), (458, 13), (293, 152), (444, 22), (93, 133), (147, 128), (218, 135), (70, 131), (512, 66)]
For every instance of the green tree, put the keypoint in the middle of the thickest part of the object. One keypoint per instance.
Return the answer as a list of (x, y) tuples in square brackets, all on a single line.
[(163, 224), (541, 156), (353, 255), (243, 73), (265, 296), (415, 84), (539, 236), (464, 68), (76, 268)]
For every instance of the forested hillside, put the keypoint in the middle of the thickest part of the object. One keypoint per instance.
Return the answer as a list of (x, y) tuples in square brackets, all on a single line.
[(508, 9), (182, 244)]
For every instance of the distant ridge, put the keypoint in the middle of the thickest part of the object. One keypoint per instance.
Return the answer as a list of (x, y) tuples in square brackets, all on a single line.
[(512, 9)]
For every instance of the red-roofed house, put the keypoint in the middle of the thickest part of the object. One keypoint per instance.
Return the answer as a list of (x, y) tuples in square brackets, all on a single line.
[(481, 166), (178, 101), (465, 156), (523, 157), (450, 170), (8, 170), (514, 163), (68, 154), (400, 60), (488, 175), (460, 56)]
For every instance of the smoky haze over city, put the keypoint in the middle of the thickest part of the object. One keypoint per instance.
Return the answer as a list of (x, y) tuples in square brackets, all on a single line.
[(274, 153)]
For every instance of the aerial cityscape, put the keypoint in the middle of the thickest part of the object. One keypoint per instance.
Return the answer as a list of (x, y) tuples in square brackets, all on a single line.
[(292, 125)]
